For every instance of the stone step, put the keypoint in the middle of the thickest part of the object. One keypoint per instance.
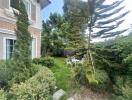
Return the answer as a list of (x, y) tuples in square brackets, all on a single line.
[(58, 94)]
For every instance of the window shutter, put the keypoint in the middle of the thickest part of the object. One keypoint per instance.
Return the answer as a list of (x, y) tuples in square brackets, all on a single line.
[(4, 4), (33, 12)]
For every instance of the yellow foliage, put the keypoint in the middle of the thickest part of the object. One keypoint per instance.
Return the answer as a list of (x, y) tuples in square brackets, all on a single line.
[(91, 77)]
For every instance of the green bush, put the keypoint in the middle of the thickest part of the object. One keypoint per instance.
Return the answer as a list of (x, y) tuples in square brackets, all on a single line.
[(91, 77), (69, 51), (21, 75), (119, 81), (79, 74), (122, 89), (5, 73), (38, 87), (83, 75), (126, 93), (102, 77), (2, 95), (4, 70), (46, 61), (128, 62)]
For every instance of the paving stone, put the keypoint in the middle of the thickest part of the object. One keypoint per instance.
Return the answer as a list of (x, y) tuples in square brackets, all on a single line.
[(71, 98), (58, 94)]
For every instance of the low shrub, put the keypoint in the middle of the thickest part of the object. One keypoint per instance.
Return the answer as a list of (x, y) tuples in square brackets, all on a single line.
[(2, 95), (91, 77), (10, 75), (5, 73), (44, 61), (128, 62), (38, 87), (126, 93), (23, 74), (83, 75), (79, 75), (119, 81), (122, 89), (102, 78), (69, 51), (4, 70)]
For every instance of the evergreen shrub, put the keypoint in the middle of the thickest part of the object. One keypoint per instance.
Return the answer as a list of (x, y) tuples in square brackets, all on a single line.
[(44, 61), (102, 78), (69, 51), (5, 72)]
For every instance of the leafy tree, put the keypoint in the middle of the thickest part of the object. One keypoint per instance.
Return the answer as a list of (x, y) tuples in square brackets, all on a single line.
[(22, 49), (46, 38), (54, 35)]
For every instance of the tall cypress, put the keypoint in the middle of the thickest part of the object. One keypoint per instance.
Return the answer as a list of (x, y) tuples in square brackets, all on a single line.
[(22, 49)]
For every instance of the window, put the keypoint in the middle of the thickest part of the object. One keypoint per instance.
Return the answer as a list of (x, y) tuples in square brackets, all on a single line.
[(27, 6), (33, 12), (9, 44), (9, 48), (14, 3)]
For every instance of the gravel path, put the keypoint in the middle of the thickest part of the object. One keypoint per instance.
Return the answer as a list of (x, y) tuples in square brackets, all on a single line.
[(86, 94)]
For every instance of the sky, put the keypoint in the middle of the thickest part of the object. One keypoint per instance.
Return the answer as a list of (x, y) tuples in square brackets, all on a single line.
[(57, 6), (128, 18)]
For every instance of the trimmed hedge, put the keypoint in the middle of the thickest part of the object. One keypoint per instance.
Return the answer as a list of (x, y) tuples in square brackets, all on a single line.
[(44, 61)]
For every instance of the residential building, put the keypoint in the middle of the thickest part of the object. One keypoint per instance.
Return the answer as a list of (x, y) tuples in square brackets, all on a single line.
[(8, 25)]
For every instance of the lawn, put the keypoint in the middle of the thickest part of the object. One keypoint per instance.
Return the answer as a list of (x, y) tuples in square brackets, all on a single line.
[(62, 74), (64, 81)]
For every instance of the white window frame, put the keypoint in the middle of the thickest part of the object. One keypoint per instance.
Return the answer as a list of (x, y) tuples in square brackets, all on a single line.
[(11, 8), (34, 47), (4, 45), (29, 8)]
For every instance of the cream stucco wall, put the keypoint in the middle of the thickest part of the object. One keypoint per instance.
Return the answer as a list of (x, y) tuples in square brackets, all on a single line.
[(37, 24), (8, 26), (8, 15)]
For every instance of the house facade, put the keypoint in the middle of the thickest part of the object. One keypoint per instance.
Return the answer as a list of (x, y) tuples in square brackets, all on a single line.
[(8, 25)]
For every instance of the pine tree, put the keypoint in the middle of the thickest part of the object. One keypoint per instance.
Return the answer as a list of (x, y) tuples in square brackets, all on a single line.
[(98, 11), (22, 49)]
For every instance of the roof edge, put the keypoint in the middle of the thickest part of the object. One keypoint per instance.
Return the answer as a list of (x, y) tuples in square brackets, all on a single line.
[(44, 3)]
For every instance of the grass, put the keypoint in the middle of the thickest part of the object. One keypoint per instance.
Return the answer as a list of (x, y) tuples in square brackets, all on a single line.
[(62, 74), (64, 81)]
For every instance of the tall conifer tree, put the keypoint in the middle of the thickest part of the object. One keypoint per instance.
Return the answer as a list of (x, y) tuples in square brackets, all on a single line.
[(75, 12), (98, 11), (22, 49)]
